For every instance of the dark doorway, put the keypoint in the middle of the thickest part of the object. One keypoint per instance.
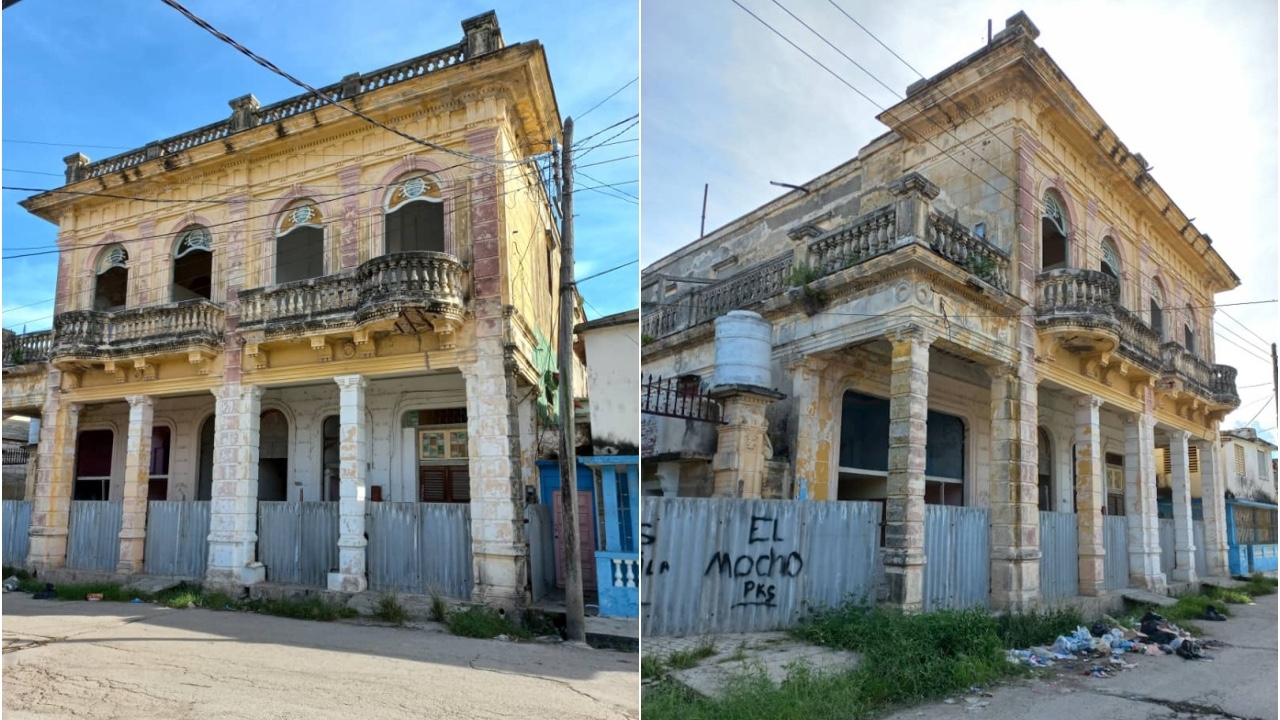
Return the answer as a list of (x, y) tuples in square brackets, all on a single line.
[(273, 456), (416, 226), (1053, 235), (1044, 475), (93, 465), (158, 468), (204, 486), (331, 489)]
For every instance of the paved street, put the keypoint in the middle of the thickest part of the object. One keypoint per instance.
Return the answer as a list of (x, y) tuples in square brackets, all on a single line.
[(1239, 683), (114, 660)]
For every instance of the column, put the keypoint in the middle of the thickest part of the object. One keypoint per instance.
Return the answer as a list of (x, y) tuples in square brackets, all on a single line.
[(904, 507), (813, 422), (1214, 507), (353, 468), (233, 521), (1184, 546), (498, 549), (1089, 495), (742, 442), (137, 467), (1140, 502), (51, 504), (1015, 511), (668, 475)]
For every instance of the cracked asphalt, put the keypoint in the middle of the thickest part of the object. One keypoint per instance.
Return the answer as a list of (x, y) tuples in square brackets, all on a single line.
[(1239, 684), (118, 660)]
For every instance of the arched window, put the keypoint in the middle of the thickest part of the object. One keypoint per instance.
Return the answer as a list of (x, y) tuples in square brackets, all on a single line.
[(414, 217), (1157, 308), (111, 290), (193, 264), (1189, 331), (300, 244), (1053, 234), (1110, 258)]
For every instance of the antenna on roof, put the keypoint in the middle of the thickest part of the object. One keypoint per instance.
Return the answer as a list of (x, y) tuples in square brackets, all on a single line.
[(988, 32)]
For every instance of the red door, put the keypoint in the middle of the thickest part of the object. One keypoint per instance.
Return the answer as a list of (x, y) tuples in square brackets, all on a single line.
[(586, 538)]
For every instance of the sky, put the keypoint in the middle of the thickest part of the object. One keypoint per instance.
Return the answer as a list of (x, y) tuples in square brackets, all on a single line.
[(80, 73), (1190, 85)]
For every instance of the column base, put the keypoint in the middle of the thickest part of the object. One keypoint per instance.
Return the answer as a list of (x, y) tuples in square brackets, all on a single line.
[(904, 579), (1181, 575), (236, 578), (48, 549), (347, 583)]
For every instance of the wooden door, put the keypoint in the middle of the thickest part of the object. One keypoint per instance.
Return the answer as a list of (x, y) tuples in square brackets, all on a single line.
[(586, 538)]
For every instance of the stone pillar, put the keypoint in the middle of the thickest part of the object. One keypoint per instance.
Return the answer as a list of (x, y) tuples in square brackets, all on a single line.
[(904, 507), (353, 458), (814, 430), (1090, 493), (1015, 511), (51, 503), (498, 548), (233, 521), (1184, 564), (1214, 506), (742, 442), (668, 475), (1140, 502), (137, 469)]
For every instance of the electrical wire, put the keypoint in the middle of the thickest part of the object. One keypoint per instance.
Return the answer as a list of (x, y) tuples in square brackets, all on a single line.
[(607, 99)]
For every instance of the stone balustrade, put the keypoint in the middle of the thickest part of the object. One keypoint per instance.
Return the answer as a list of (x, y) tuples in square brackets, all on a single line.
[(22, 348), (1223, 385), (1138, 341), (866, 237), (300, 104), (382, 287), (1073, 291), (137, 331), (954, 242)]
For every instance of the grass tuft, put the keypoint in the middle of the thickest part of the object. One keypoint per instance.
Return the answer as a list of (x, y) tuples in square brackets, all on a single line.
[(650, 667), (1024, 630), (484, 623), (1259, 584), (390, 610), (685, 659), (312, 608)]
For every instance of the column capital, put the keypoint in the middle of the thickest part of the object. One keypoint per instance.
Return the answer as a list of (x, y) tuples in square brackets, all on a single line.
[(808, 363), (1181, 436), (73, 409), (911, 333), (141, 400), (1087, 400), (351, 382), (1134, 419)]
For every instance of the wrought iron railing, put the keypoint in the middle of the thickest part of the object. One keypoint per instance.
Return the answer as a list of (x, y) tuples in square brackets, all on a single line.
[(678, 397), (15, 455)]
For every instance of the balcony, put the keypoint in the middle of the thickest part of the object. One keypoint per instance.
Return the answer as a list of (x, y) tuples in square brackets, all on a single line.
[(417, 288), (25, 348), (175, 328), (1078, 308), (1216, 384)]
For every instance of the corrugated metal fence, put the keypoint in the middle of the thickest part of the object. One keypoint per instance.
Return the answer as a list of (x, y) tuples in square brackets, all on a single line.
[(177, 538), (420, 548), (542, 551), (724, 565), (298, 541), (1202, 562), (17, 523), (957, 543), (1167, 546), (93, 540), (1060, 555), (1115, 540)]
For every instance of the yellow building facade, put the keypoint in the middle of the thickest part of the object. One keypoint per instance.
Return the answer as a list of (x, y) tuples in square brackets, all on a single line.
[(993, 305), (295, 304)]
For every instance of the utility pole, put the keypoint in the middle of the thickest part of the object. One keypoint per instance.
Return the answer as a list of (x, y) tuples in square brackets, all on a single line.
[(574, 610), (1275, 382), (702, 232)]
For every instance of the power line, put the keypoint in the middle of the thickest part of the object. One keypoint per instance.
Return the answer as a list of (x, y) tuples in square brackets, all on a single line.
[(1265, 343), (1264, 407), (74, 145), (607, 99), (605, 272), (581, 142), (321, 96), (1244, 350)]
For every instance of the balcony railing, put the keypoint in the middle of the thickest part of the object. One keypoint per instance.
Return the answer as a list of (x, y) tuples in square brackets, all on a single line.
[(20, 349), (149, 330), (868, 236), (954, 242), (431, 282), (1223, 385), (1138, 341)]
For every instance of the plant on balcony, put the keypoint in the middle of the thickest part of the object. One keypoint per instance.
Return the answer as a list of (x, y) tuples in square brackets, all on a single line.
[(15, 356), (646, 339), (851, 260), (982, 266), (801, 278)]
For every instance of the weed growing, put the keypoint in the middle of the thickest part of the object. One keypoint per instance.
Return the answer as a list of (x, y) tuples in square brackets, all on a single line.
[(685, 659), (1257, 584), (10, 571), (805, 694), (390, 610), (439, 608), (484, 623), (312, 608), (1190, 607), (1024, 630), (650, 667)]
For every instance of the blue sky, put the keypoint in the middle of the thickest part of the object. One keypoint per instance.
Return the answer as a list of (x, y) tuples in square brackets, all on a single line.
[(128, 72), (1190, 85)]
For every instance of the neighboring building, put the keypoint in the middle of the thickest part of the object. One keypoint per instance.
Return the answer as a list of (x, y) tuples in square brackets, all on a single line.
[(1019, 334), (1250, 467), (613, 382), (321, 310), (19, 456)]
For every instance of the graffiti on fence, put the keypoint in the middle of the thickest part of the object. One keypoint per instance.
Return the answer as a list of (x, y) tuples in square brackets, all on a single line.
[(759, 566)]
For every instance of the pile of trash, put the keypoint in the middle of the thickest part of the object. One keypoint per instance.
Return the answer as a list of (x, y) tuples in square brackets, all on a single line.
[(1100, 647)]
